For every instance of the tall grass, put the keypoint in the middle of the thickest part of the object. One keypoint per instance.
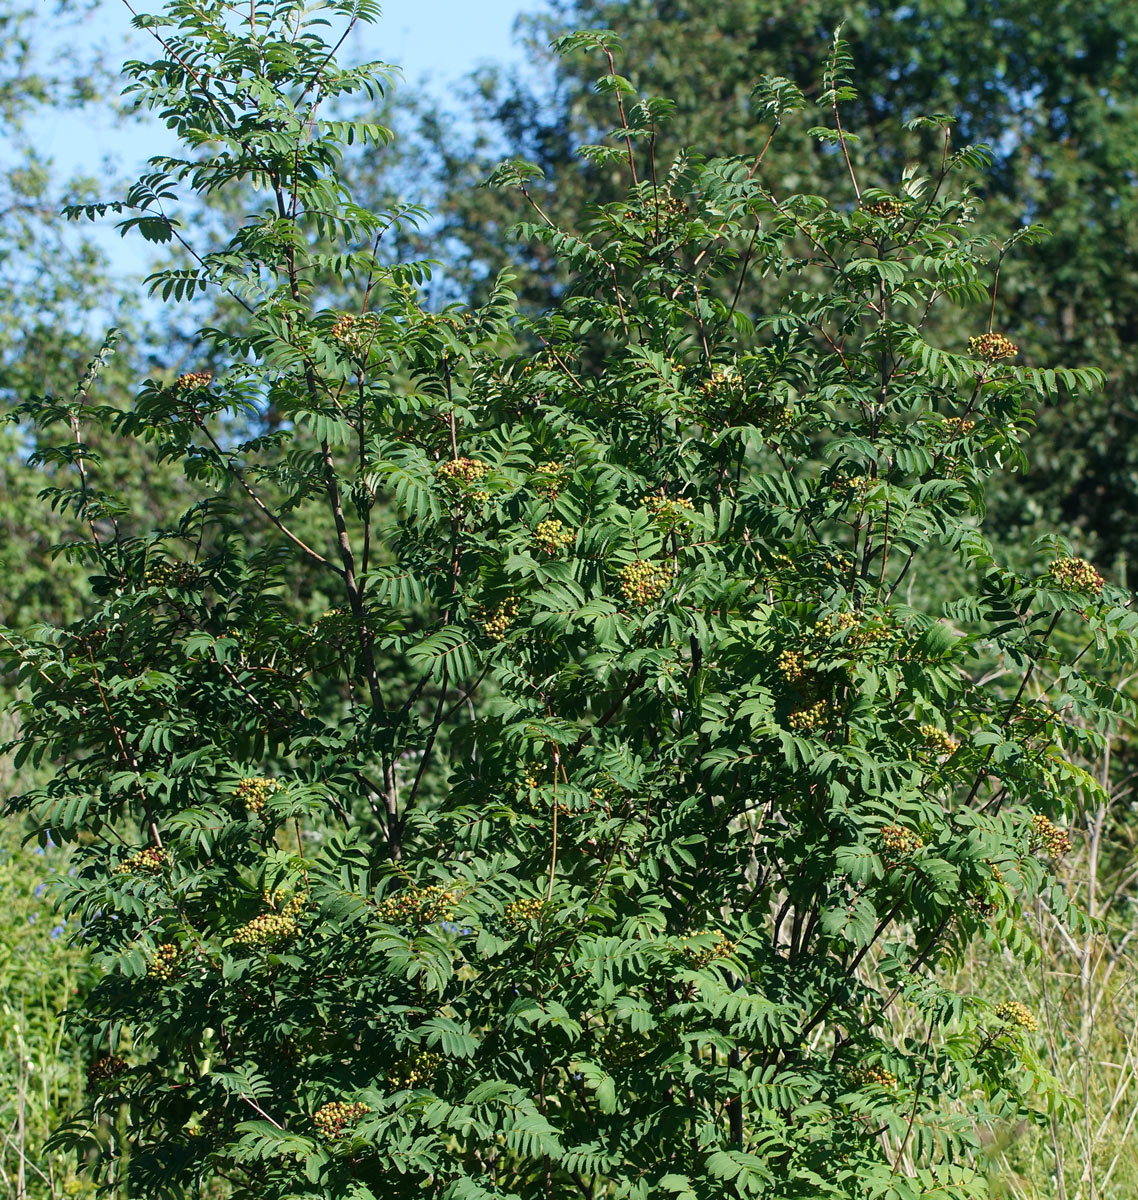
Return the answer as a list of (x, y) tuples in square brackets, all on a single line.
[(1084, 992), (41, 1068)]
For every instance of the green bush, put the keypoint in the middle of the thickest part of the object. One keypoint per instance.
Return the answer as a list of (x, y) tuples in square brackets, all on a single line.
[(599, 836)]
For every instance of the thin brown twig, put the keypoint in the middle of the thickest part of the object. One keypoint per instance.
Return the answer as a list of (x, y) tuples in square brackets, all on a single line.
[(128, 760)]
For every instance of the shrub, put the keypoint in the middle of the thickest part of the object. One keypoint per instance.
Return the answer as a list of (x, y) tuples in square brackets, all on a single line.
[(595, 838)]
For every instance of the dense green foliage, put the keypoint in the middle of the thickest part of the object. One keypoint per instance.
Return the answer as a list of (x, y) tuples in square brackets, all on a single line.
[(1048, 86), (607, 832)]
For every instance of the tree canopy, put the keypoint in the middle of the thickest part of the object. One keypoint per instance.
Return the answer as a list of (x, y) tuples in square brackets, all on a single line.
[(655, 723)]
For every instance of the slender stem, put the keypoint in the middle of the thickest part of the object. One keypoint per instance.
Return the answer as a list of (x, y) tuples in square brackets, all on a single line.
[(263, 508), (623, 118), (553, 848), (128, 760)]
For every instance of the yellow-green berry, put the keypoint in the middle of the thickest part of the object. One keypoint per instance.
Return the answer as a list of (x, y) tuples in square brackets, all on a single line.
[(418, 905), (552, 537), (1047, 836), (668, 513), (415, 1070), (724, 383), (938, 740), (150, 861), (171, 575), (701, 955), (957, 427), (332, 1119), (888, 209), (268, 929), (193, 381), (495, 621), (866, 1074), (992, 346), (355, 334), (850, 487), (804, 720), (549, 479), (858, 632), (1017, 1015), (1075, 575), (643, 582), (792, 665), (462, 471), (254, 791), (520, 913), (163, 964), (898, 843)]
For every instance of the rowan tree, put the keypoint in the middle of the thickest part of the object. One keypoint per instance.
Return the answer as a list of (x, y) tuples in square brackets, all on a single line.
[(608, 830)]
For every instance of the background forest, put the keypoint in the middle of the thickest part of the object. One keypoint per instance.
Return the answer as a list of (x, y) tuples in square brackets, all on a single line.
[(1048, 88)]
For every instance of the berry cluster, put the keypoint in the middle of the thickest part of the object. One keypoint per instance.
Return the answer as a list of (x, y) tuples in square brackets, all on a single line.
[(671, 207), (724, 398), (668, 514), (332, 1119), (1047, 836), (792, 665), (607, 795), (814, 717), (643, 582), (416, 1070), (495, 621), (980, 902), (291, 906), (834, 623), (992, 346), (1075, 575), (542, 804), (520, 913), (851, 487), (104, 1069), (552, 537), (163, 964), (843, 563), (463, 470), (724, 383), (938, 740), (667, 208), (354, 334), (150, 861), (91, 640), (1016, 1014), (866, 1074), (171, 575), (957, 427), (418, 905), (549, 479), (253, 792), (899, 842), (268, 929), (193, 381), (777, 418), (721, 947), (888, 209), (858, 633)]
